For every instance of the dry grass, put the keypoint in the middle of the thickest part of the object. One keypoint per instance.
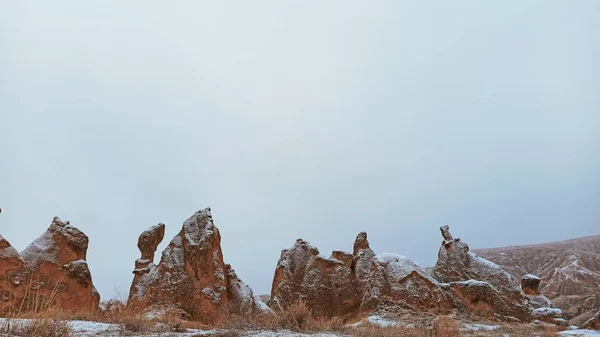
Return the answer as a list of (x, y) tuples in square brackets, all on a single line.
[(446, 327), (43, 327), (49, 321)]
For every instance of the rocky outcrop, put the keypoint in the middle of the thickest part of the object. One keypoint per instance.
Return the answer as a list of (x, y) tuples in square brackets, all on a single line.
[(327, 285), (569, 272), (346, 284), (51, 272), (457, 263), (191, 274), (484, 287), (396, 280), (530, 284)]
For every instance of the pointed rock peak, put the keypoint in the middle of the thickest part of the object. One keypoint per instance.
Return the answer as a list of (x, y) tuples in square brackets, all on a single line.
[(199, 227), (301, 245), (57, 222), (361, 242), (7, 251)]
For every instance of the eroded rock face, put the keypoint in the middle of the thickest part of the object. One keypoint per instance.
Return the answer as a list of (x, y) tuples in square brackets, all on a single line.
[(346, 284), (483, 299), (397, 280), (326, 284), (191, 274), (483, 286), (53, 267), (457, 263)]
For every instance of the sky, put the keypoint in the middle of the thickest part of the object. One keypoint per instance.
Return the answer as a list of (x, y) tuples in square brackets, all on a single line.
[(295, 119)]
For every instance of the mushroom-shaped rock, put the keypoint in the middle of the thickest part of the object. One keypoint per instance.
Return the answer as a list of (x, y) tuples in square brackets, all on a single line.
[(530, 284), (149, 241), (54, 265), (144, 270)]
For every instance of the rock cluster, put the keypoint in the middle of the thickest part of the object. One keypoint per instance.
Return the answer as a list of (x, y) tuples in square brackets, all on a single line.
[(191, 275), (346, 284), (51, 272)]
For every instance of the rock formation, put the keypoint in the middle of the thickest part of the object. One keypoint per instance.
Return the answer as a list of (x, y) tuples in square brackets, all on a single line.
[(346, 284), (530, 284), (327, 285), (191, 275), (569, 272), (484, 287), (51, 272), (457, 263)]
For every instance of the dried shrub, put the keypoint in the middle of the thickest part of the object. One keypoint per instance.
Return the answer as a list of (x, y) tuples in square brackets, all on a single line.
[(36, 328), (446, 327)]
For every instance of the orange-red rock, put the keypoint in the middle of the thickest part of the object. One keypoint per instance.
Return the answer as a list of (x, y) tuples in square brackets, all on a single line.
[(51, 272), (191, 274)]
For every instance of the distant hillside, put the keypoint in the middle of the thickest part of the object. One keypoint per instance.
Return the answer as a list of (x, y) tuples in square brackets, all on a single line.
[(570, 271)]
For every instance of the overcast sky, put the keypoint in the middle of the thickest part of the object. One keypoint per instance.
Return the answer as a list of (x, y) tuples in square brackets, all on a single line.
[(297, 119)]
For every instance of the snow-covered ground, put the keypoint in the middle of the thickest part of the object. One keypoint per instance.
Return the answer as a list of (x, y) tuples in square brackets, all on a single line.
[(579, 333), (97, 329)]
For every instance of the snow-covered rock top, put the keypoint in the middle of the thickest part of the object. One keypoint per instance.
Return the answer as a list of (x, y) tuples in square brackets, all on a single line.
[(55, 258), (530, 277), (7, 251), (399, 266), (198, 227)]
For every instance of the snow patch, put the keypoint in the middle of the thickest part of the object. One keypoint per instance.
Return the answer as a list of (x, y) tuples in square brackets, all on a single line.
[(579, 333), (545, 312), (43, 248), (530, 277), (479, 327), (260, 305)]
